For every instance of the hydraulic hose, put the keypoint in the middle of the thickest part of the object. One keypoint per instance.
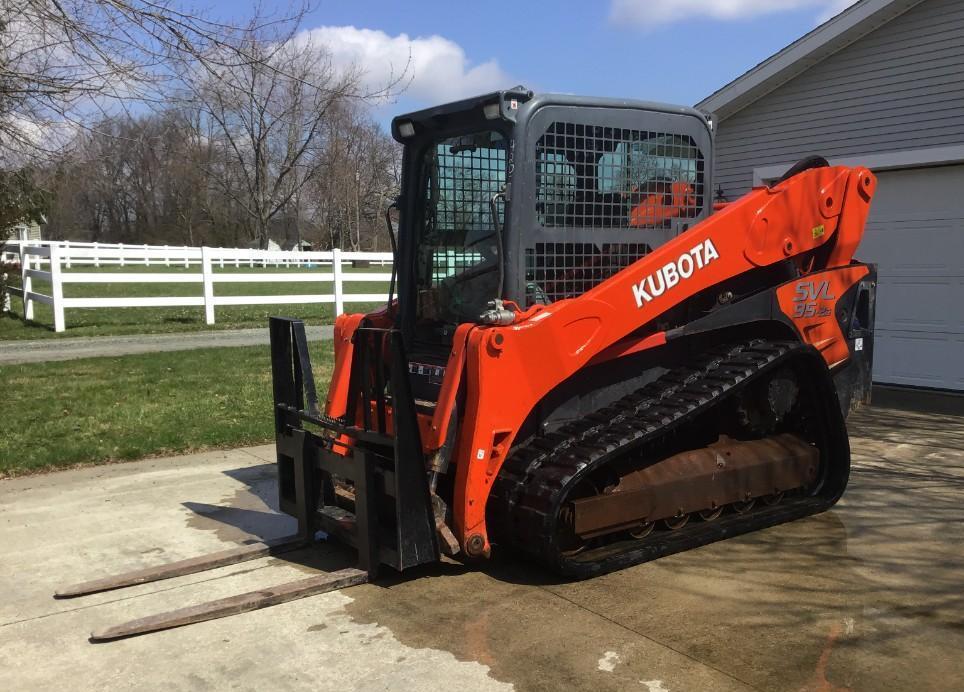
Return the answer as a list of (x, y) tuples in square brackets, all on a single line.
[(498, 239), (391, 237)]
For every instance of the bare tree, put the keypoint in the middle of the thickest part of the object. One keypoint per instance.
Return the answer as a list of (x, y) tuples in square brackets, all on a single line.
[(246, 120), (363, 165), (162, 178), (270, 118), (66, 62)]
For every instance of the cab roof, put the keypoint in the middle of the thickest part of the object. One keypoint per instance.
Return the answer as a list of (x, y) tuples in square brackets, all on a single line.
[(449, 115)]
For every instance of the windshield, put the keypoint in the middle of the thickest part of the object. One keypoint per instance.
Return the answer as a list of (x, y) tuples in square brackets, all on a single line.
[(456, 249)]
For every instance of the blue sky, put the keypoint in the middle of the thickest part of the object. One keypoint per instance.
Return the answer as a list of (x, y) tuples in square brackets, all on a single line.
[(676, 51)]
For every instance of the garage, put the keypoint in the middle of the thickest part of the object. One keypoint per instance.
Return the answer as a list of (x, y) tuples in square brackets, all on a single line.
[(878, 85)]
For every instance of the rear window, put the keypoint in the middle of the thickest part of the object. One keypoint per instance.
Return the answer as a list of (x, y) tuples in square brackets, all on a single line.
[(603, 177)]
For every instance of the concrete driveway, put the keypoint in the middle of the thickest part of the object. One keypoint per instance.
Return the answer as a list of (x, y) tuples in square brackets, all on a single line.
[(867, 596)]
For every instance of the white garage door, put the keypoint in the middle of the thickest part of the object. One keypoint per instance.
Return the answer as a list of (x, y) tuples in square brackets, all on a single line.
[(916, 236)]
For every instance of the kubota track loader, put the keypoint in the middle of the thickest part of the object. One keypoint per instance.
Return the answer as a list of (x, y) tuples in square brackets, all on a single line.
[(585, 363)]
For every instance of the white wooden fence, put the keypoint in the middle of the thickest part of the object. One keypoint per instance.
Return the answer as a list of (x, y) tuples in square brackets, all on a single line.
[(328, 269), (79, 253)]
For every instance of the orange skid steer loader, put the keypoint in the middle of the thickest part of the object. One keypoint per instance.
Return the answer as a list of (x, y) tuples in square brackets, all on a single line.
[(588, 363)]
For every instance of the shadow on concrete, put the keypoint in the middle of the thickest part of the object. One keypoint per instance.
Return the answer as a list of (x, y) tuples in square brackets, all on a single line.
[(250, 511), (253, 522), (889, 548), (919, 399), (260, 480), (908, 427)]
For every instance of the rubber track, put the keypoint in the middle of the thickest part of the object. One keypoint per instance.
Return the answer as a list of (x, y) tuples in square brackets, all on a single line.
[(537, 477)]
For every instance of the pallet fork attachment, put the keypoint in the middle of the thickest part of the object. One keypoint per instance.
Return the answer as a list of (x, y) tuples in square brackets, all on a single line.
[(391, 520)]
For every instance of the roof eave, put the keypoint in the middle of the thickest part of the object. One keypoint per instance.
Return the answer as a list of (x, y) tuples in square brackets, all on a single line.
[(828, 38)]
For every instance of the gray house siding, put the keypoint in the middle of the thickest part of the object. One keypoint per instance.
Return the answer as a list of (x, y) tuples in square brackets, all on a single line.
[(900, 87)]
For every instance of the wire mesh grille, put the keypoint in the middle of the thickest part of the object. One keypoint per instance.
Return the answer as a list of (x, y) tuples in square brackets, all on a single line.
[(563, 270), (590, 176), (462, 175)]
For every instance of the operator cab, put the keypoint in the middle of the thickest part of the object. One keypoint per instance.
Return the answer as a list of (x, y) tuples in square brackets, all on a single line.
[(532, 199)]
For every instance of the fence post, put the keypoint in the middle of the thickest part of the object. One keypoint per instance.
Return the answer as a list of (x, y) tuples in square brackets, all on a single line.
[(66, 255), (96, 256), (26, 282), (208, 275), (57, 289), (336, 279), (147, 261), (186, 264), (120, 246)]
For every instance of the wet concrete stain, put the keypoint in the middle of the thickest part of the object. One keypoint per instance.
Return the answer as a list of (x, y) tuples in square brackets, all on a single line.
[(795, 607), (500, 617)]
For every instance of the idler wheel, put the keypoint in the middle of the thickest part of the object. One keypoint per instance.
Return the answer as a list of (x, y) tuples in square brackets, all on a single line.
[(642, 530), (773, 499), (710, 514)]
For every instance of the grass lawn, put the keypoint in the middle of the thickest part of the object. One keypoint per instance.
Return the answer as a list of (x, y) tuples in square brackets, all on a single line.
[(107, 409), (119, 321)]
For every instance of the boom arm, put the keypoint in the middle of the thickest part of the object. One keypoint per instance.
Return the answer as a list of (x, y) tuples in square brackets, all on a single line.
[(509, 369)]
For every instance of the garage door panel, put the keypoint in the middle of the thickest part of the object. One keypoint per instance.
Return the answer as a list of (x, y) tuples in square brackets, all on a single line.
[(934, 250), (919, 304), (920, 360), (915, 235)]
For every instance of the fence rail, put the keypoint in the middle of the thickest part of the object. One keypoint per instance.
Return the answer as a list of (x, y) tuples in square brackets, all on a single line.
[(126, 254), (56, 257)]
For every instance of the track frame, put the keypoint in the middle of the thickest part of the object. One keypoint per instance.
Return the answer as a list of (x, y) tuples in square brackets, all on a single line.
[(537, 477)]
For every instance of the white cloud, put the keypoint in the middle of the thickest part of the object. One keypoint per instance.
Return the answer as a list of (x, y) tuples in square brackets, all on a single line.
[(834, 8), (651, 13), (435, 68)]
